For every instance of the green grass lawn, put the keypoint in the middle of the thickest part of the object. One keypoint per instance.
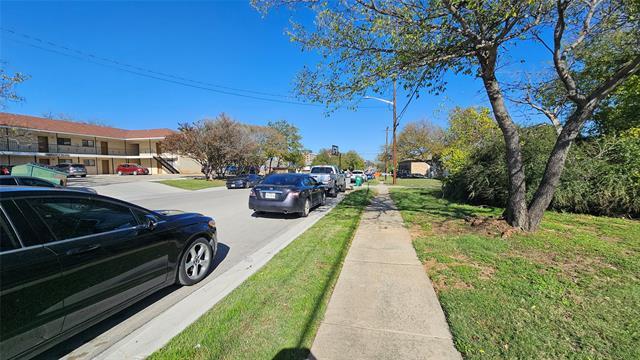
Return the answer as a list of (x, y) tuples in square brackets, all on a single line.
[(422, 183), (193, 184), (277, 311), (570, 290)]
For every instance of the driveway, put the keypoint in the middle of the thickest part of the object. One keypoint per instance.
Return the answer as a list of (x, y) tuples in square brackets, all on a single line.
[(241, 235)]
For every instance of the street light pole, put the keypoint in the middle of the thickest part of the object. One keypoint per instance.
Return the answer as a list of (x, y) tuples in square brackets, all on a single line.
[(395, 125)]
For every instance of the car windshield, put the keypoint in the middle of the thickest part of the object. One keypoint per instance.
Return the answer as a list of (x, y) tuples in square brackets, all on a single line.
[(283, 179), (322, 170)]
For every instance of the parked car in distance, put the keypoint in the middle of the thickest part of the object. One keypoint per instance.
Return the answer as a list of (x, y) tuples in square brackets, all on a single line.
[(131, 169), (70, 259), (72, 170), (243, 181), (9, 180), (332, 178), (356, 173), (287, 193)]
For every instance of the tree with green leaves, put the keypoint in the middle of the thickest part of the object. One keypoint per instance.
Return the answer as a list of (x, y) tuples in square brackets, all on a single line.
[(366, 44), (352, 160), (420, 140), (469, 128), (325, 157), (291, 153)]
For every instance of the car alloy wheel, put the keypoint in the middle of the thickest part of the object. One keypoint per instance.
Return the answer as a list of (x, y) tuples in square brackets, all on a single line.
[(119, 172), (306, 208), (135, 173), (196, 262), (323, 200)]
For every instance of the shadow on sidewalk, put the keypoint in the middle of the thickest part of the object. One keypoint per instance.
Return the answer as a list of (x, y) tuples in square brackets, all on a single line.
[(294, 354)]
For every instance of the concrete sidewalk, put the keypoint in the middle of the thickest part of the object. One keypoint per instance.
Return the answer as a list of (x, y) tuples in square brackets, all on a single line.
[(383, 306)]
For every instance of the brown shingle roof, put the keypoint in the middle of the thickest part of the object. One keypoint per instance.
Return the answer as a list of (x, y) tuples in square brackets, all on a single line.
[(72, 127)]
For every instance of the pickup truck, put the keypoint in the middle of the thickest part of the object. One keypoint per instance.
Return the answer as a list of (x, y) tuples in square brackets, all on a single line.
[(329, 176)]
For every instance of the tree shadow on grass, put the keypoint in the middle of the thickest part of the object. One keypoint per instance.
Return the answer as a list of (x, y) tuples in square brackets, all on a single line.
[(415, 200), (294, 354)]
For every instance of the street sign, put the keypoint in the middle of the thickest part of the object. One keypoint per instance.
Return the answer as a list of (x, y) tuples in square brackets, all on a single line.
[(334, 150)]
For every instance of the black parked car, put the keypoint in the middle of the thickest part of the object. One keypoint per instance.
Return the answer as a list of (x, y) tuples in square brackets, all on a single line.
[(287, 193), (33, 181), (243, 181), (72, 169), (69, 259)]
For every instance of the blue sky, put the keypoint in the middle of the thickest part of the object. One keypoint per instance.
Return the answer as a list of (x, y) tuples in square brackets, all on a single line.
[(226, 43)]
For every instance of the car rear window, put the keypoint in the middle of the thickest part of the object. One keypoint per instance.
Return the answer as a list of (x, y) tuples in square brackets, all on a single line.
[(282, 180), (322, 170)]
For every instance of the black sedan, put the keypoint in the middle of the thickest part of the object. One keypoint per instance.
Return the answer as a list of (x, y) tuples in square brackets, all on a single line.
[(34, 181), (243, 181), (69, 259), (287, 193)]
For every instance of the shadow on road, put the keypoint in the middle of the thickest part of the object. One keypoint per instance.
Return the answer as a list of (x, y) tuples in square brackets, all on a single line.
[(93, 332)]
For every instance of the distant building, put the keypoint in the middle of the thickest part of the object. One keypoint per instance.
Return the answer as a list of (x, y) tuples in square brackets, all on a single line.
[(411, 166), (308, 157), (25, 139)]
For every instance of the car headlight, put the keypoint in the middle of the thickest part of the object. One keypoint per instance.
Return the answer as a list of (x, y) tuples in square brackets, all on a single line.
[(212, 224)]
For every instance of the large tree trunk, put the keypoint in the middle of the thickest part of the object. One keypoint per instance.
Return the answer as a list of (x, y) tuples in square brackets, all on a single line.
[(516, 213), (555, 166)]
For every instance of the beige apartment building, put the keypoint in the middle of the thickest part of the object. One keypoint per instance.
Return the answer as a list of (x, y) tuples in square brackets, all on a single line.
[(25, 139)]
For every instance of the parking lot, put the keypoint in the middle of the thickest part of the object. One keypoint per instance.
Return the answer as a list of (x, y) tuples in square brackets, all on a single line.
[(241, 235)]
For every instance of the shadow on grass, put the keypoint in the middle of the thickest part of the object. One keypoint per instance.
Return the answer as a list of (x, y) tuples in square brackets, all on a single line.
[(413, 199), (294, 354)]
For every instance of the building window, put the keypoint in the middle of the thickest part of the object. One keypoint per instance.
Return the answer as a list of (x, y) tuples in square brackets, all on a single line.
[(44, 162), (64, 161), (89, 162), (64, 141), (88, 143)]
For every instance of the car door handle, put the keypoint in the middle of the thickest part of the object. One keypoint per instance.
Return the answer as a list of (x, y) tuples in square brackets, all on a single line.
[(83, 250)]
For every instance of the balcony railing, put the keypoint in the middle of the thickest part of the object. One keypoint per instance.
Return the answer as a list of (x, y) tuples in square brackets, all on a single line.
[(64, 149)]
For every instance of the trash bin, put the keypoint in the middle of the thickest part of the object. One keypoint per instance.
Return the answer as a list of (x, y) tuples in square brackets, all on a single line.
[(41, 172), (358, 180)]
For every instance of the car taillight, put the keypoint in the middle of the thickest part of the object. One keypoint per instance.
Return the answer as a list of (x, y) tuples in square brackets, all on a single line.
[(252, 193)]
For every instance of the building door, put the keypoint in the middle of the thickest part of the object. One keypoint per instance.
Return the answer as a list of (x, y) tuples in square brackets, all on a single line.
[(104, 148), (105, 166), (43, 144)]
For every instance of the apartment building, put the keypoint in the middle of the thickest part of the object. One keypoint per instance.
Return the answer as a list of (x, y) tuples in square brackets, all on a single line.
[(25, 139)]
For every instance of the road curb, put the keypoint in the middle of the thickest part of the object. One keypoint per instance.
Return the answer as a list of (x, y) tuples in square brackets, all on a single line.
[(159, 331)]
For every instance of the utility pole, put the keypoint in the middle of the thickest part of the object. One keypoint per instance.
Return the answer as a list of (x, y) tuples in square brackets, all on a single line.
[(395, 125), (386, 153)]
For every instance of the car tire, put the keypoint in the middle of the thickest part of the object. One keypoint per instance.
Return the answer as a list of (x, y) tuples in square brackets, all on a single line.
[(323, 199), (333, 192), (119, 173), (83, 176), (196, 262), (306, 208)]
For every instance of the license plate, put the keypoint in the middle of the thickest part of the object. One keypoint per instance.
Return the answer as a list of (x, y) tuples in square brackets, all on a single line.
[(233, 185), (269, 195)]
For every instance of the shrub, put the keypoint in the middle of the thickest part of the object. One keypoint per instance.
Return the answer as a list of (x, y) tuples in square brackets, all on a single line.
[(602, 174)]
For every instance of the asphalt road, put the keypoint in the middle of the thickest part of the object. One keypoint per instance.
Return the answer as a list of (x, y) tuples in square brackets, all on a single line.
[(241, 233)]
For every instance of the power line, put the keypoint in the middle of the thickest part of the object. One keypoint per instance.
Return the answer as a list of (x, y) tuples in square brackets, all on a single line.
[(413, 93), (148, 73)]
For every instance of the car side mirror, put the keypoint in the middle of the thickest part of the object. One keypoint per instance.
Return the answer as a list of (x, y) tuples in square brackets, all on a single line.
[(150, 222)]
